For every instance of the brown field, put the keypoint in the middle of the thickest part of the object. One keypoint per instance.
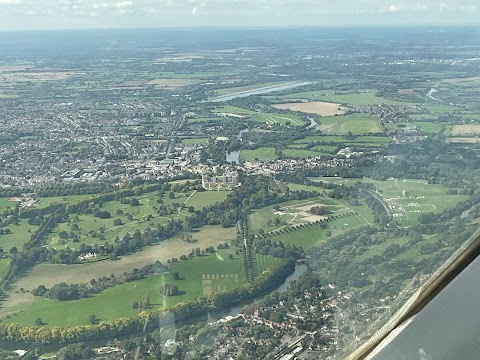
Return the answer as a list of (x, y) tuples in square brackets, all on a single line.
[(464, 140), (51, 274), (466, 129), (460, 80), (406, 91), (172, 83), (38, 76), (315, 107), (12, 68)]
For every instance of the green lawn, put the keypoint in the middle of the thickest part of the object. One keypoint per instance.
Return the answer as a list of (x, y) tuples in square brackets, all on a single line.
[(202, 199), (201, 275), (308, 237), (46, 201), (300, 153), (273, 118), (6, 203), (195, 141), (360, 98), (19, 235), (429, 127), (355, 123), (411, 198), (4, 265), (234, 110), (88, 223), (264, 262), (195, 120), (262, 154)]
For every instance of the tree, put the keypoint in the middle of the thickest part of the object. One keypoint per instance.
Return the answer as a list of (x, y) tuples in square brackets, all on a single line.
[(134, 202), (169, 290), (171, 195), (92, 319), (63, 234), (117, 222), (38, 322)]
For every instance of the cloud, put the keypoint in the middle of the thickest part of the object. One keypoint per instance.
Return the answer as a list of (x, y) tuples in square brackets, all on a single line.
[(443, 6), (194, 10), (394, 8), (10, 2)]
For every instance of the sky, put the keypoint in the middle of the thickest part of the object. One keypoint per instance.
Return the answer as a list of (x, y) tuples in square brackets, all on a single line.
[(84, 14)]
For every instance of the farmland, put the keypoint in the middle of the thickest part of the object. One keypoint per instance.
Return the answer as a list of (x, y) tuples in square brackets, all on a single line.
[(316, 107), (407, 199), (199, 276), (355, 123), (262, 154), (354, 98)]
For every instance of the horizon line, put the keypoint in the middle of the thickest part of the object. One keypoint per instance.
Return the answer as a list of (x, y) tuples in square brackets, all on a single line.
[(249, 27)]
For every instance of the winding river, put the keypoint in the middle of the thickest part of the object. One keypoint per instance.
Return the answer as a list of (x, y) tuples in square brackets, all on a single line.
[(165, 322)]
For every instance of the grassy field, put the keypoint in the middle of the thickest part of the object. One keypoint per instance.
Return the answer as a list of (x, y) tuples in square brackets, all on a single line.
[(236, 89), (429, 127), (262, 154), (360, 98), (355, 123), (300, 153), (407, 199), (200, 276), (194, 141), (172, 82), (204, 198), (316, 107), (263, 262), (104, 230), (296, 212), (6, 203), (19, 235), (234, 110), (4, 264), (310, 236), (47, 201), (272, 118), (50, 274)]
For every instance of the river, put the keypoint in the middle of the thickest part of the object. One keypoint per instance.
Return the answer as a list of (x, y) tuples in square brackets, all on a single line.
[(166, 321), (259, 91), (430, 94), (233, 156)]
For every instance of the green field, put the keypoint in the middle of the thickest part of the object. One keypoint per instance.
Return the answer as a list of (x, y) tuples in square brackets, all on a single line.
[(310, 236), (360, 98), (355, 123), (204, 198), (201, 275), (4, 265), (408, 199), (262, 154), (300, 153), (19, 235), (429, 127), (6, 203), (46, 201), (95, 230), (194, 141), (273, 118), (197, 120), (234, 110), (264, 262), (295, 212)]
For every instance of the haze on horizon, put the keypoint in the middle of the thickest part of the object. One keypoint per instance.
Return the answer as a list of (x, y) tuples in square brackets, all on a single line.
[(85, 14)]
